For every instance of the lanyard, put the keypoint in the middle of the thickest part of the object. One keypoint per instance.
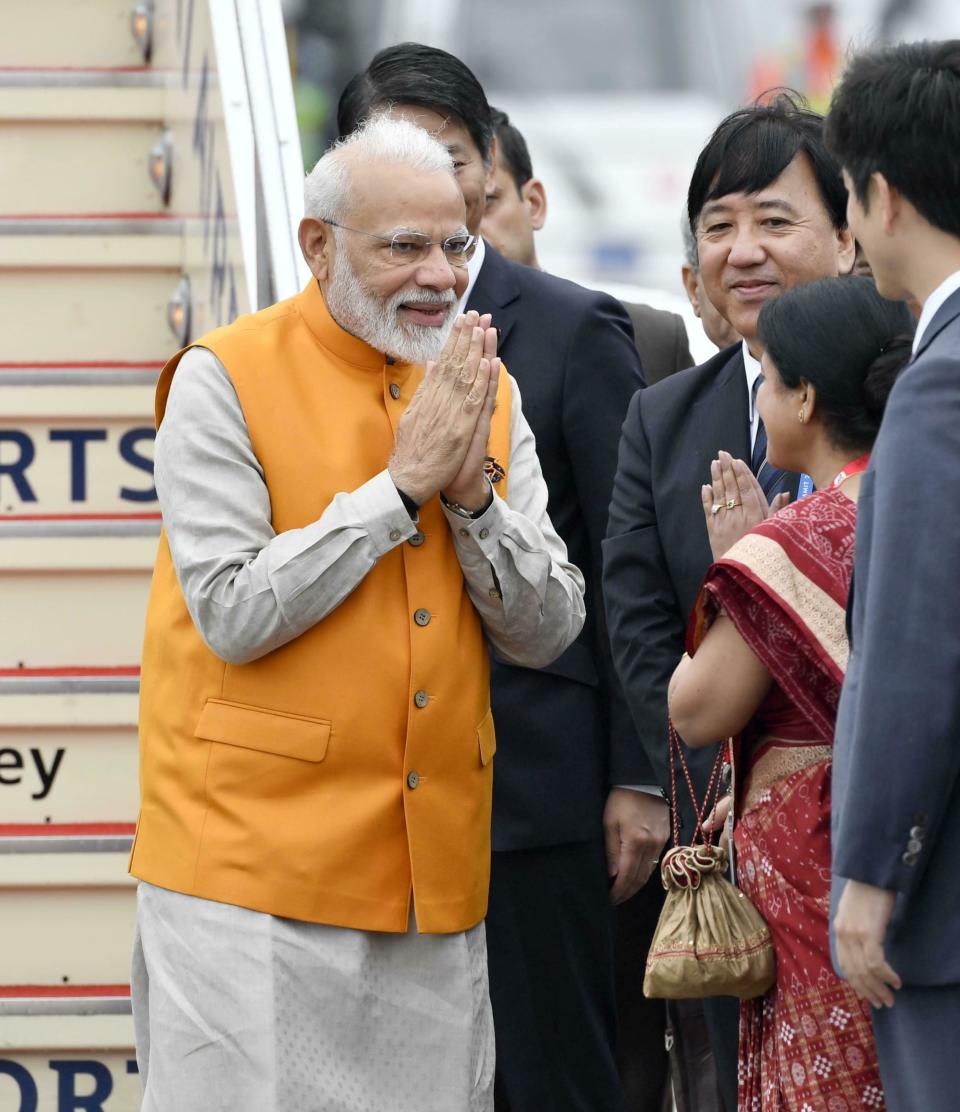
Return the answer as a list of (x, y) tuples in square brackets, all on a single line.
[(852, 468)]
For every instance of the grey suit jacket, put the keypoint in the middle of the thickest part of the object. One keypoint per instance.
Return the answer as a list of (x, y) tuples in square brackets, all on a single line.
[(661, 339), (896, 772)]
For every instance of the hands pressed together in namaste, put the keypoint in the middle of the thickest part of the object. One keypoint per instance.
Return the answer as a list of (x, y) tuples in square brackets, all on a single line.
[(442, 436), (733, 502)]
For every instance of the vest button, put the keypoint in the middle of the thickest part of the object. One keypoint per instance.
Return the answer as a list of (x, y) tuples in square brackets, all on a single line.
[(422, 617), (413, 780), (394, 391), (394, 534), (421, 699), (416, 540)]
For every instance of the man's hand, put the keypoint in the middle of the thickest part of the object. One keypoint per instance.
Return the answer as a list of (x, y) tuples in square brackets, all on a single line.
[(734, 488), (636, 826), (860, 926), (437, 429), (470, 486)]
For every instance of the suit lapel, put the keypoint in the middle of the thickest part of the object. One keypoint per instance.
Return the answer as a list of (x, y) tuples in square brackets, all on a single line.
[(722, 412), (496, 291), (947, 312)]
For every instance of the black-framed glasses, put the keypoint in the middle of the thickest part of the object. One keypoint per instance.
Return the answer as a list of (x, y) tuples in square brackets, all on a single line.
[(414, 247)]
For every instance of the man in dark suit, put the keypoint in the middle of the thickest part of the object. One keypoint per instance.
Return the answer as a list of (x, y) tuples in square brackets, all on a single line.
[(567, 751), (516, 210), (767, 206), (895, 126)]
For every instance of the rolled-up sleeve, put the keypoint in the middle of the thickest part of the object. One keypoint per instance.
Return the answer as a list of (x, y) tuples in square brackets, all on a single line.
[(249, 589), (528, 594)]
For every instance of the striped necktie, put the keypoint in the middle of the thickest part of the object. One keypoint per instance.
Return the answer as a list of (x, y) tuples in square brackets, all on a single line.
[(769, 477)]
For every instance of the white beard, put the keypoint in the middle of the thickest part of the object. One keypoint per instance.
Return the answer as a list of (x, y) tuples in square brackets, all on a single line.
[(376, 322)]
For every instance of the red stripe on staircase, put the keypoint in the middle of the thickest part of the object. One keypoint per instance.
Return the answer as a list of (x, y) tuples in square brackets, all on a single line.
[(78, 670), (17, 992), (67, 830)]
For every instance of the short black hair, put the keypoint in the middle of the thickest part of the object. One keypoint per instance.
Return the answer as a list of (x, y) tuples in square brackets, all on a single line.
[(896, 111), (512, 150), (753, 146), (411, 73), (850, 343)]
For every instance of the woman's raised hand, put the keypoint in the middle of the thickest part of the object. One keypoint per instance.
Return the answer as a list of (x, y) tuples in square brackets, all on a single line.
[(733, 502)]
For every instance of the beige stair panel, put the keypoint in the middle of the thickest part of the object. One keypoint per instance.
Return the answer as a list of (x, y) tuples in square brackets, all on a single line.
[(110, 1033), (68, 935), (79, 33), (61, 619), (110, 399), (76, 465), (43, 253), (81, 102), (77, 709), (120, 314), (105, 164), (81, 775)]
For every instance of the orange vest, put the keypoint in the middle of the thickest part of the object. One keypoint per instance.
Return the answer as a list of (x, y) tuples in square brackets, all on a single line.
[(312, 783)]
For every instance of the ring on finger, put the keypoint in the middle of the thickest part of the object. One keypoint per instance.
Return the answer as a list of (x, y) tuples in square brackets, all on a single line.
[(716, 508), (731, 502)]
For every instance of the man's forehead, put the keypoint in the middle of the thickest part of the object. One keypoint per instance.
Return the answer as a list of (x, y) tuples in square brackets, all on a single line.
[(794, 186)]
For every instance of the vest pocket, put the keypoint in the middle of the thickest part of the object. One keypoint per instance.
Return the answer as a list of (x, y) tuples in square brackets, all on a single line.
[(267, 731), (487, 737)]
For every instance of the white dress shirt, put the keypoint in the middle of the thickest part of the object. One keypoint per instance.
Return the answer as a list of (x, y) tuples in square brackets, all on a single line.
[(933, 303), (752, 369), (473, 269)]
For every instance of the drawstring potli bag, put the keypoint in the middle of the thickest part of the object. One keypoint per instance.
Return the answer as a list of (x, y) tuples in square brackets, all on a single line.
[(710, 939)]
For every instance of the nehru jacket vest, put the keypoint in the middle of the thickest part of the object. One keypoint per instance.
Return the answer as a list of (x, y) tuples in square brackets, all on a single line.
[(332, 777)]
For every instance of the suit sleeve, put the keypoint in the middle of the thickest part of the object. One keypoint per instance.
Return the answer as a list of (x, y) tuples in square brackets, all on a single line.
[(901, 744), (645, 623), (602, 374)]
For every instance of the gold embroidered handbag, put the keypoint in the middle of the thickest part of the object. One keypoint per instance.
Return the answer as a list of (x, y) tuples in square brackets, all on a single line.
[(710, 939)]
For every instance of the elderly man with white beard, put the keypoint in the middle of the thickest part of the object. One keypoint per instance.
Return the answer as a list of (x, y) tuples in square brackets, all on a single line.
[(345, 529)]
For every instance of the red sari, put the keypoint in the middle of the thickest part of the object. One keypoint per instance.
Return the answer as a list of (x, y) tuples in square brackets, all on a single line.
[(807, 1046)]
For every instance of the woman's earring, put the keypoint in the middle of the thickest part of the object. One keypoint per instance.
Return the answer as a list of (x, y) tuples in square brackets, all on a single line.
[(802, 416)]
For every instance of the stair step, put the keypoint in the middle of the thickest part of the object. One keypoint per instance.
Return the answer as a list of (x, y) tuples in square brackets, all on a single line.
[(68, 920), (57, 777), (152, 247), (117, 314), (108, 161), (92, 101), (54, 620), (63, 1000), (73, 1053), (78, 33)]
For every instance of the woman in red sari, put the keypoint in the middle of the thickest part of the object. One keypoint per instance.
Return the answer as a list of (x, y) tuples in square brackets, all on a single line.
[(768, 653)]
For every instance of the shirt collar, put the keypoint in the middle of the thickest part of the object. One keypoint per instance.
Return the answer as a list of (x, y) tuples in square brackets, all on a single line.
[(933, 303), (473, 269), (751, 367)]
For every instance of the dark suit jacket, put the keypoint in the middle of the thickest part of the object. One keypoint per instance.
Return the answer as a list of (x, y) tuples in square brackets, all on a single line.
[(657, 551), (661, 339), (896, 770), (563, 732)]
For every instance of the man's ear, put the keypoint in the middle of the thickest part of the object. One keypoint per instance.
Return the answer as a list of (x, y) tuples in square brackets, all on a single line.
[(689, 276), (491, 162), (889, 199), (846, 250), (534, 196), (316, 243)]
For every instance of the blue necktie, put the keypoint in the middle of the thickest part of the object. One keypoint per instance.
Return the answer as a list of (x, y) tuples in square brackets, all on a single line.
[(769, 477)]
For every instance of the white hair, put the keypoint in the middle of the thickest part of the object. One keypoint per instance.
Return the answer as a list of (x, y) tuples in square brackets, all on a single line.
[(381, 138)]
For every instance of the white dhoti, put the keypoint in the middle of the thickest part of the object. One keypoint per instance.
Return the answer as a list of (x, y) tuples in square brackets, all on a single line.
[(245, 1012)]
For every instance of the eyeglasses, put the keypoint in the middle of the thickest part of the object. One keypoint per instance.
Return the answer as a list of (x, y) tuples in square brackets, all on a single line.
[(414, 247)]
